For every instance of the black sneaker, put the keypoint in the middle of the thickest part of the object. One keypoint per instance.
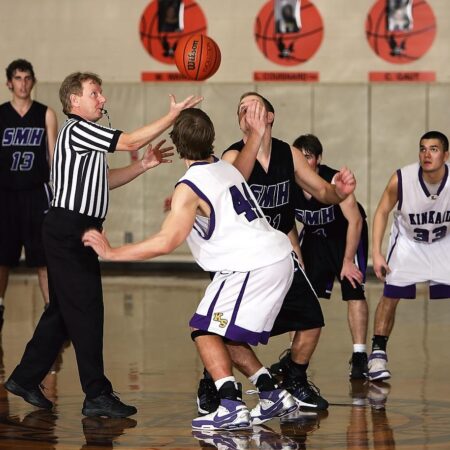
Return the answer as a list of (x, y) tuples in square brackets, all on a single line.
[(358, 366), (107, 405), (34, 396), (279, 369), (207, 397), (306, 393)]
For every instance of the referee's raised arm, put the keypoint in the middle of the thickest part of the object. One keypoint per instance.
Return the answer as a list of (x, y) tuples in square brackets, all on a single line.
[(142, 136)]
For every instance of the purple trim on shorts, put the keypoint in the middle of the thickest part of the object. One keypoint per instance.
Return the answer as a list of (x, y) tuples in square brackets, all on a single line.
[(212, 218), (329, 287), (202, 322), (399, 189), (361, 258), (439, 291), (238, 334), (239, 300), (392, 249), (392, 291), (233, 332)]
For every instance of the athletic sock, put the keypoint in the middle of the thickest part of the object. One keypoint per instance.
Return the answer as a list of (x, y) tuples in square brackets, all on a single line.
[(359, 348), (379, 342), (296, 370)]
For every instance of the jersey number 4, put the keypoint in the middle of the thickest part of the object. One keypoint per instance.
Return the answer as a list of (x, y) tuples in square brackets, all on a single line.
[(22, 162), (244, 204)]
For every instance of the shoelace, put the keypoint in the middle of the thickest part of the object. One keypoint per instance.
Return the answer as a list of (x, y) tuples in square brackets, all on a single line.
[(308, 384)]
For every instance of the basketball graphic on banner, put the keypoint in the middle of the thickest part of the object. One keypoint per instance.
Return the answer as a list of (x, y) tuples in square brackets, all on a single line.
[(164, 23), (288, 32), (402, 32)]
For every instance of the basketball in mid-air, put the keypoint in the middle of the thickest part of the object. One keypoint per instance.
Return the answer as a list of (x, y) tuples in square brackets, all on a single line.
[(197, 57)]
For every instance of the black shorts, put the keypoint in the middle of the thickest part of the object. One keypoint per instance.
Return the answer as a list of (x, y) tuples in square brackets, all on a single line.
[(323, 264), (301, 309), (21, 215)]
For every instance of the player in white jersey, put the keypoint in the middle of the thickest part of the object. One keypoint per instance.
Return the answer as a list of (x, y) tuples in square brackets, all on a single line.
[(419, 242), (214, 209)]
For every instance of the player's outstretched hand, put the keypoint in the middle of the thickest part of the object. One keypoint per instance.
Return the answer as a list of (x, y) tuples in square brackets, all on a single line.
[(380, 267), (188, 102), (154, 156), (345, 182), (352, 273), (256, 117), (98, 241)]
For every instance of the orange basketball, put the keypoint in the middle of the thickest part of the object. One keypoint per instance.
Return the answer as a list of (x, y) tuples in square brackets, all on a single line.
[(197, 57)]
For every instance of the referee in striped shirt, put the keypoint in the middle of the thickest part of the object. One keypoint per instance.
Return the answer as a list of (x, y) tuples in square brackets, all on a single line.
[(81, 181)]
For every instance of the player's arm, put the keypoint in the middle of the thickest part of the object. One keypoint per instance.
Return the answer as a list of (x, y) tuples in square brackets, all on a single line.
[(152, 157), (380, 219), (320, 189), (142, 136), (51, 127), (244, 161), (351, 212), (174, 230)]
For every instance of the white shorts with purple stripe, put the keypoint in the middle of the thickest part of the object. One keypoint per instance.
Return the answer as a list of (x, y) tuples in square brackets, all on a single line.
[(243, 306), (412, 262)]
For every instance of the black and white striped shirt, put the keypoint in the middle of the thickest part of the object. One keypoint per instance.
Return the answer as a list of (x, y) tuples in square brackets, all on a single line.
[(79, 168)]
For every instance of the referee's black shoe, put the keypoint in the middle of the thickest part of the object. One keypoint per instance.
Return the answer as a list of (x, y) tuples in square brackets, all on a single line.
[(34, 396), (107, 405)]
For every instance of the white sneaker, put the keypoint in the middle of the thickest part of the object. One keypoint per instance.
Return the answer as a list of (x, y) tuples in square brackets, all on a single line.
[(377, 366), (230, 415), (276, 403), (377, 395)]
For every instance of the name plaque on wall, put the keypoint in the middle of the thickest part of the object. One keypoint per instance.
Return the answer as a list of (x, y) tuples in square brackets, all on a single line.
[(307, 77), (402, 77)]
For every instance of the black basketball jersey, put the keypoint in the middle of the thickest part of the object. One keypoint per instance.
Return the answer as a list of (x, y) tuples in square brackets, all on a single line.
[(319, 218), (23, 147), (274, 189)]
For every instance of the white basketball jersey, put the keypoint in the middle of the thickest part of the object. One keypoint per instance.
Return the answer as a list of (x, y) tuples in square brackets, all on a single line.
[(421, 216), (236, 236)]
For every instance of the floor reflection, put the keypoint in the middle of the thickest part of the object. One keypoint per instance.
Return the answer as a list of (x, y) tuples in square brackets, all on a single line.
[(153, 364)]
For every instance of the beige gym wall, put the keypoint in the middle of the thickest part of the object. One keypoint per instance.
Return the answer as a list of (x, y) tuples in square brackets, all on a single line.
[(373, 128)]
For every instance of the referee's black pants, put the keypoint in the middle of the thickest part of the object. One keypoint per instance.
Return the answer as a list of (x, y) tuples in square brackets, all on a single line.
[(75, 311)]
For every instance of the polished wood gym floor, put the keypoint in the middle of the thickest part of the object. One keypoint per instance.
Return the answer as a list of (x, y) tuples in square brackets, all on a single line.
[(152, 363)]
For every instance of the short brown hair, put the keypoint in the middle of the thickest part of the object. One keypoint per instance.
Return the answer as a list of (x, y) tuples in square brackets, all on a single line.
[(23, 66), (73, 84), (193, 134)]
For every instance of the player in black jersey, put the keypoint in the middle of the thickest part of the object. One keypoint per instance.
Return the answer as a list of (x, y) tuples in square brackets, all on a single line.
[(28, 134), (334, 244), (272, 173)]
